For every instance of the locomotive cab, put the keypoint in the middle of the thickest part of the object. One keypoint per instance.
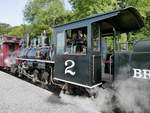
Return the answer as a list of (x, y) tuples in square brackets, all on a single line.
[(82, 56)]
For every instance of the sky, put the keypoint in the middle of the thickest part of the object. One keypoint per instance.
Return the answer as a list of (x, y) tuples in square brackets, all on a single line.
[(11, 11), (67, 5)]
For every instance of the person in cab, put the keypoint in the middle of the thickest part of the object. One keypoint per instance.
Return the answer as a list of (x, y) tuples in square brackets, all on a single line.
[(79, 42)]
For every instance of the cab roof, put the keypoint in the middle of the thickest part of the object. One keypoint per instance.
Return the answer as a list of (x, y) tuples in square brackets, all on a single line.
[(123, 20)]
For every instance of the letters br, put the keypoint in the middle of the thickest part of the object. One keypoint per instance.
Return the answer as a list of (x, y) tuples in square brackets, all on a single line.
[(141, 73)]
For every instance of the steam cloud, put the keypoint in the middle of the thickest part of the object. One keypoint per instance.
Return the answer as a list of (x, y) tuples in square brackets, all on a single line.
[(91, 105), (10, 60), (133, 95), (127, 96)]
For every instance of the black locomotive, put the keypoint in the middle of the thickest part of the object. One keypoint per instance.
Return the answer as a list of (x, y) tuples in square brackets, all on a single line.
[(79, 57)]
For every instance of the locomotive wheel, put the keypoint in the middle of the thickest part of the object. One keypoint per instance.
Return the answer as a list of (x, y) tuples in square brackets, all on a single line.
[(35, 76), (13, 69), (45, 76), (19, 73), (65, 89), (75, 90)]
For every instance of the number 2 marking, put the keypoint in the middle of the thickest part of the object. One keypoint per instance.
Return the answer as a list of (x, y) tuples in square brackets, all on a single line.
[(68, 69)]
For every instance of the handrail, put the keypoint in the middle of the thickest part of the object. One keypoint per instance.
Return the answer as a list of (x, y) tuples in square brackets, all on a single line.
[(110, 59)]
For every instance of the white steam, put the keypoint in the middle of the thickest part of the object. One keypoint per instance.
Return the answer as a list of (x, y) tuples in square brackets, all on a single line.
[(10, 60), (131, 96), (90, 105)]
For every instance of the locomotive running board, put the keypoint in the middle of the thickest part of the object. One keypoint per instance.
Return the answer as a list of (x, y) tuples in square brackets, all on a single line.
[(36, 60), (77, 84)]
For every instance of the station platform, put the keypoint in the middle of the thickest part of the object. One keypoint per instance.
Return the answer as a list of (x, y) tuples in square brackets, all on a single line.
[(18, 96)]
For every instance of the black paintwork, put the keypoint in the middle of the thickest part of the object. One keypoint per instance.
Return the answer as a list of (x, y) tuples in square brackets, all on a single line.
[(121, 65), (138, 58), (142, 46), (87, 67), (82, 68)]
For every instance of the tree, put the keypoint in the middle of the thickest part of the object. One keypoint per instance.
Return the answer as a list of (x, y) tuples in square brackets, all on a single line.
[(44, 14), (83, 8), (18, 31), (4, 28), (144, 9)]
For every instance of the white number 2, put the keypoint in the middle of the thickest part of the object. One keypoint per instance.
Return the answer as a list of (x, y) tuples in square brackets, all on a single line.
[(68, 68)]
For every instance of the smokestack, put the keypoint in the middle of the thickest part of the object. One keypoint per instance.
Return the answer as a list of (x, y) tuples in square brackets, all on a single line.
[(44, 39)]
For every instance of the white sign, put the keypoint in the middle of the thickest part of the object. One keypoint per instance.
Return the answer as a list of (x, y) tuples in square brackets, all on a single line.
[(68, 68), (143, 74)]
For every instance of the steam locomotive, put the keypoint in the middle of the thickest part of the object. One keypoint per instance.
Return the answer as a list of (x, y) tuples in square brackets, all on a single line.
[(75, 60)]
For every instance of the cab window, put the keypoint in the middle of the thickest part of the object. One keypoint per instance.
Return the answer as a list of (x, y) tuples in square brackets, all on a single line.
[(96, 38), (76, 41), (60, 43)]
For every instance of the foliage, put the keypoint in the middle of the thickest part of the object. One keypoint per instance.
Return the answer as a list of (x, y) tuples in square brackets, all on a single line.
[(45, 11), (4, 28), (144, 9), (83, 8), (44, 14), (17, 31)]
